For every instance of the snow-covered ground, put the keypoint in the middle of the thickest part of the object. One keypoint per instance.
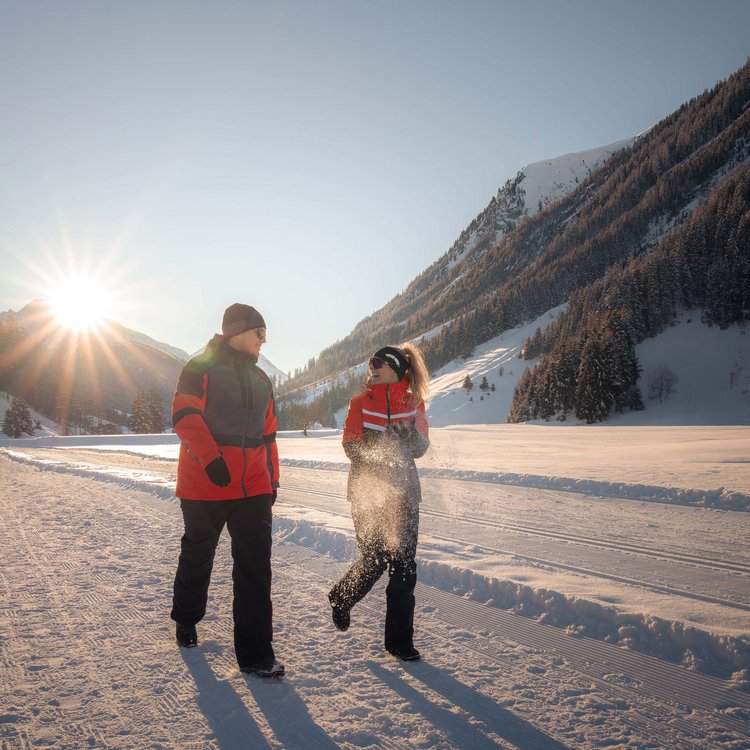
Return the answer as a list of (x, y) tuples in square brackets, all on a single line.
[(548, 181), (579, 588)]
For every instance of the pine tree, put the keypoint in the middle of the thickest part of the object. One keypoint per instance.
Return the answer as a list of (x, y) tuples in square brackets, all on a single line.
[(468, 383), (18, 419), (532, 348), (140, 418), (155, 409), (521, 409), (593, 398)]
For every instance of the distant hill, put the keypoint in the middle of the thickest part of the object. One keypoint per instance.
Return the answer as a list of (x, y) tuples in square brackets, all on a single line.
[(68, 376)]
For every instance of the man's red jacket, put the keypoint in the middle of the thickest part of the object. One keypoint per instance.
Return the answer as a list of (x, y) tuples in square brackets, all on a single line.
[(224, 406)]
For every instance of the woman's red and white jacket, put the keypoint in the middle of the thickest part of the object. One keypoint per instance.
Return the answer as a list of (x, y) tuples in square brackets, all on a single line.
[(224, 406), (373, 446)]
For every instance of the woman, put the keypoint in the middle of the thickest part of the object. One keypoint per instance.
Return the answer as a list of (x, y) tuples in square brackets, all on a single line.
[(385, 431)]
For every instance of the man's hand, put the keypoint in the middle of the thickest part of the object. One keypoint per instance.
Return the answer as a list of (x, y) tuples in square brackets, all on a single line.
[(218, 472)]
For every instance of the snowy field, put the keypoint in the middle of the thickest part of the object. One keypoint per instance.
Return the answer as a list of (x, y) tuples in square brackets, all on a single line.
[(579, 588)]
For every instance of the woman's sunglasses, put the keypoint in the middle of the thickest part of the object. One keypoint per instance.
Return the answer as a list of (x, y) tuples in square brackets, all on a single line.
[(376, 363)]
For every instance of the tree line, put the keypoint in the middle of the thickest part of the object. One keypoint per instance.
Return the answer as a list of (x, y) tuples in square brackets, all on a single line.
[(588, 364)]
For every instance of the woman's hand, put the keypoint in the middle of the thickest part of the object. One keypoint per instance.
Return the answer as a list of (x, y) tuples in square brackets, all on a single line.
[(406, 432), (410, 437)]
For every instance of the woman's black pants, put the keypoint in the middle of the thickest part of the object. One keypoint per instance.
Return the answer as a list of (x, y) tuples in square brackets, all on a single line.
[(377, 555), (249, 524)]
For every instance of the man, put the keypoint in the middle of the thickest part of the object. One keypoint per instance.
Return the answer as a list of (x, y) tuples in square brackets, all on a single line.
[(228, 473)]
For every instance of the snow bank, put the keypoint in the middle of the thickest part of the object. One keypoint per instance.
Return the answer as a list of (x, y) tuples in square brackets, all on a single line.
[(128, 478), (116, 442), (719, 655)]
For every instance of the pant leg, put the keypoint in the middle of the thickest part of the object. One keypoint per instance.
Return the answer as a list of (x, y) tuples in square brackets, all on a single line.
[(360, 578), (399, 616), (204, 521), (399, 594), (249, 525)]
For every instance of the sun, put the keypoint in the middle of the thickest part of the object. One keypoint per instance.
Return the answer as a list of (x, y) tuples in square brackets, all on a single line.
[(80, 303)]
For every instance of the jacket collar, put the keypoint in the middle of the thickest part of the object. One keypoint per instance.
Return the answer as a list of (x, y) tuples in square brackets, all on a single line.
[(219, 344), (397, 390)]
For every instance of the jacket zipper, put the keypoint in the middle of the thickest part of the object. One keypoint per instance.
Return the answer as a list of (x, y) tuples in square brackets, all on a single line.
[(244, 387), (388, 402)]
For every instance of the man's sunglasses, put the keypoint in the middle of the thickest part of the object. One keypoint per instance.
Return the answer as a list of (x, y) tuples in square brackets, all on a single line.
[(376, 363), (260, 332)]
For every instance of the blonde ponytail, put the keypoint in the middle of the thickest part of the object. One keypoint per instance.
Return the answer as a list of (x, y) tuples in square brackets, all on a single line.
[(417, 375)]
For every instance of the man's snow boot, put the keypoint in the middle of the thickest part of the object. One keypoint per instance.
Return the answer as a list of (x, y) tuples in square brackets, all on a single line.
[(186, 635), (267, 667), (405, 653)]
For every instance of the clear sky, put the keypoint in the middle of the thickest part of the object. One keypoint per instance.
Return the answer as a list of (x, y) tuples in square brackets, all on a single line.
[(308, 157)]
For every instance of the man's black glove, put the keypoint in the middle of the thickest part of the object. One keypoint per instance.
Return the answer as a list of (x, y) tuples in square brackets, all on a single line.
[(274, 494), (218, 472)]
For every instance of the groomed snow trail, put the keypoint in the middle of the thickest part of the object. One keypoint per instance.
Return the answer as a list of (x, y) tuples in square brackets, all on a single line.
[(89, 658)]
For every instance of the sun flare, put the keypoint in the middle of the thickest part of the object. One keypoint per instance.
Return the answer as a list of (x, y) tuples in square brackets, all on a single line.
[(81, 304)]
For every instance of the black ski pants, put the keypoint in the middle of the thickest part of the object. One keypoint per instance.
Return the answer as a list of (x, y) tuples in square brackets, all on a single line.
[(249, 524), (377, 554)]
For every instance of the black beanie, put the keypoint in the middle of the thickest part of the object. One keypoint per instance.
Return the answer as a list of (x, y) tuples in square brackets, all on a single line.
[(395, 359), (239, 318)]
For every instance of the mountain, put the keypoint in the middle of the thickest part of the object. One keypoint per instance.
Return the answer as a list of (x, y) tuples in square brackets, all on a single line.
[(710, 377), (516, 261), (536, 185), (143, 340), (73, 377)]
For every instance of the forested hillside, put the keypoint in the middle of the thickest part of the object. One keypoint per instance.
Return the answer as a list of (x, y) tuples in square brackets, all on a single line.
[(623, 212), (589, 365)]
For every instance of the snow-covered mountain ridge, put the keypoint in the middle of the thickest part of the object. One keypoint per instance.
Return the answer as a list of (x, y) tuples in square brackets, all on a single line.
[(534, 187)]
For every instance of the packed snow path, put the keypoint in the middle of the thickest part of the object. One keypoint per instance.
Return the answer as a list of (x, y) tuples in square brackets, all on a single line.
[(89, 657)]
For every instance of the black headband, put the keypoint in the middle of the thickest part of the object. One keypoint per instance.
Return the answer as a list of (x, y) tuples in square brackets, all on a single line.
[(395, 359)]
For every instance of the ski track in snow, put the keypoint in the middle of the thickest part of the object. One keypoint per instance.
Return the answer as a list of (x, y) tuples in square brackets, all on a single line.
[(90, 661), (89, 653), (719, 498)]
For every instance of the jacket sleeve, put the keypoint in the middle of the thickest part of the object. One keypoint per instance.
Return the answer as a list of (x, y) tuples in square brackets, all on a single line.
[(353, 432), (188, 406), (269, 438), (421, 441)]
